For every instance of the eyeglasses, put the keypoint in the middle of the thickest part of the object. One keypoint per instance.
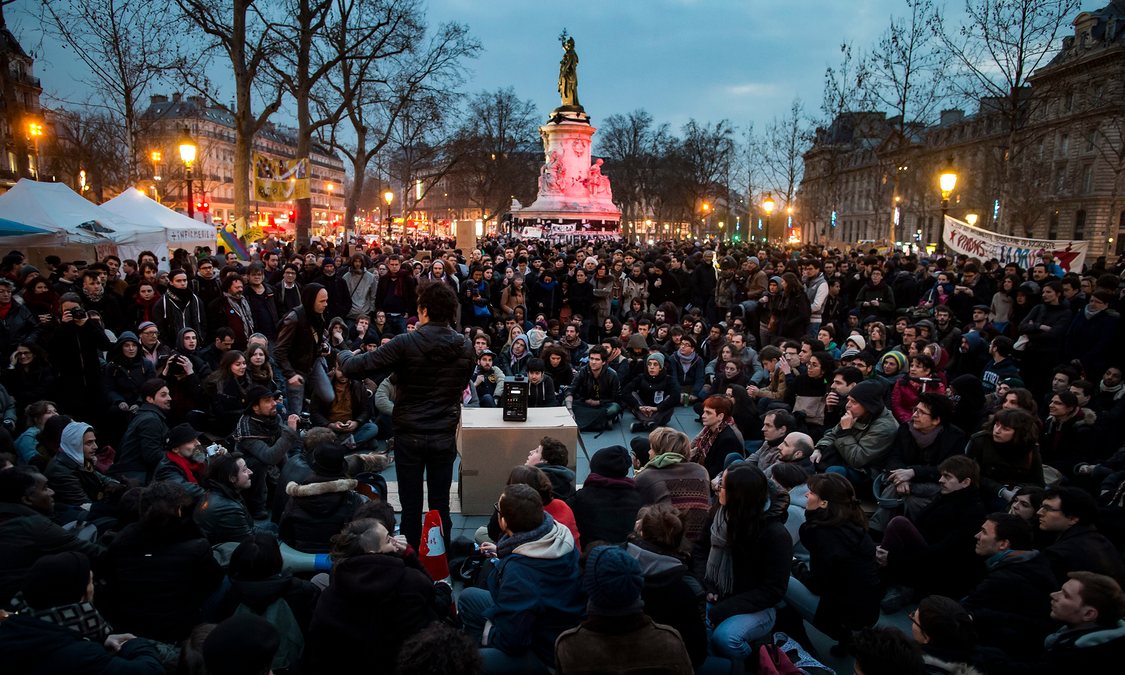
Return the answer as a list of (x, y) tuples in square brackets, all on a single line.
[(150, 332), (913, 616), (1050, 509), (23, 353), (922, 412)]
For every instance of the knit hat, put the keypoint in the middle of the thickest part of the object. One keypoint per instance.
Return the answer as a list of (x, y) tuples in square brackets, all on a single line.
[(70, 443), (869, 394), (849, 353), (613, 582), (145, 325), (1013, 382), (870, 318), (127, 336), (328, 460), (859, 340), (899, 358), (611, 462), (656, 356), (244, 643), (182, 434), (535, 365), (55, 580), (754, 259)]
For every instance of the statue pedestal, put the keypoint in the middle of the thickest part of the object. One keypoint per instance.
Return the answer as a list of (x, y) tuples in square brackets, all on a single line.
[(571, 189)]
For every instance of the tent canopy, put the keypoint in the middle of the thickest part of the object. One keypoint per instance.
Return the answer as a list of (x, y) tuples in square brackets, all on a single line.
[(180, 231), (60, 211)]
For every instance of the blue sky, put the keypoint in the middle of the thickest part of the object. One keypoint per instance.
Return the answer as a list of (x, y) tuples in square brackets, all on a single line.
[(742, 60)]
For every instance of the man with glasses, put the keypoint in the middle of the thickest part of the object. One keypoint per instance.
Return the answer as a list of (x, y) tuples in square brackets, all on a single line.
[(206, 283), (1069, 513), (152, 349), (17, 323)]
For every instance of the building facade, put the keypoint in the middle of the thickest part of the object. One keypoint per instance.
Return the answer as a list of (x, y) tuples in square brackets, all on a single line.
[(167, 120), (21, 118), (1059, 175)]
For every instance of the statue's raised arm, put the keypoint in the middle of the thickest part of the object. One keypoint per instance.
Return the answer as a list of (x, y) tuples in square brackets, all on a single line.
[(568, 75)]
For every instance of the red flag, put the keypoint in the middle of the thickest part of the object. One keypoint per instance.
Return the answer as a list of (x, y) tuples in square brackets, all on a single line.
[(432, 554)]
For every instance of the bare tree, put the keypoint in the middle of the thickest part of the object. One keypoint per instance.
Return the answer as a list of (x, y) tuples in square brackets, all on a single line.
[(124, 46), (85, 140), (498, 146), (399, 69), (906, 76), (244, 33), (420, 149), (633, 146), (997, 47), (697, 170), (782, 150)]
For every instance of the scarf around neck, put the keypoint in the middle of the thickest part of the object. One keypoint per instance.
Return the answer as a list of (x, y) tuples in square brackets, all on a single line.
[(242, 309), (720, 565), (510, 542), (665, 460), (701, 444), (81, 617)]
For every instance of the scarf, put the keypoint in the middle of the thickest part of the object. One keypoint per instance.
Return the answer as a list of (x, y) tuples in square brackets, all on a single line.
[(701, 444), (146, 306), (570, 343), (685, 361), (510, 542), (242, 309), (1117, 390), (81, 617), (1091, 312), (924, 440), (5, 309), (720, 564), (191, 469), (664, 460)]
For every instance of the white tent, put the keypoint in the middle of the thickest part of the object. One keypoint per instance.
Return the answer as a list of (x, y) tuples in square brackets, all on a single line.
[(178, 231), (75, 228)]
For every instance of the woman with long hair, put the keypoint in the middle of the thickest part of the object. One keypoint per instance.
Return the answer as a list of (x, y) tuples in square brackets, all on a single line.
[(1008, 455), (514, 294), (556, 363), (1003, 300), (838, 590), (806, 395), (226, 388), (747, 559), (29, 376), (144, 302), (260, 371), (795, 309), (40, 298)]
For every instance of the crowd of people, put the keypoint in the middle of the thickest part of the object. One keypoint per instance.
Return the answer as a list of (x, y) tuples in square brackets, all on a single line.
[(190, 458)]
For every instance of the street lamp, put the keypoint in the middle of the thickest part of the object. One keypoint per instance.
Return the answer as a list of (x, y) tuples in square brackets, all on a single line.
[(768, 205), (35, 132), (971, 219), (389, 196), (156, 157), (187, 156), (947, 181)]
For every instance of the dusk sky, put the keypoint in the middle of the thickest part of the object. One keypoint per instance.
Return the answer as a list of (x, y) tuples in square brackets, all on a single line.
[(742, 60)]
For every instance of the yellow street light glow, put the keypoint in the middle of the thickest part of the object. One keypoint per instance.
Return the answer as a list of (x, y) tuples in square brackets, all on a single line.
[(947, 181), (187, 148), (971, 219), (34, 129), (768, 204), (388, 197)]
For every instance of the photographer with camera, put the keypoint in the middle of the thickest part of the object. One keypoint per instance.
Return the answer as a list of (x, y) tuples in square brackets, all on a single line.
[(185, 461), (75, 343), (919, 379)]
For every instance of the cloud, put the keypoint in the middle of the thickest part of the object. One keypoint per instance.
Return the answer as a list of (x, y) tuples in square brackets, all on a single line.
[(751, 89)]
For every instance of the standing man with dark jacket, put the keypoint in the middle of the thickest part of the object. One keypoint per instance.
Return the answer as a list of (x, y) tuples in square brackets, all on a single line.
[(396, 294), (433, 364), (339, 298), (142, 446)]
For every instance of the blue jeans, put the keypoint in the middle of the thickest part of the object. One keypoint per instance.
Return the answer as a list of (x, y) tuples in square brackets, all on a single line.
[(471, 606), (734, 638), (396, 323), (814, 328), (799, 597), (428, 456), (365, 433)]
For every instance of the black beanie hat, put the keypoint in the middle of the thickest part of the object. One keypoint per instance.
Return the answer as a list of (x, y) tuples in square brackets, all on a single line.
[(244, 644), (613, 582), (612, 462), (328, 460), (535, 365), (56, 580), (869, 394)]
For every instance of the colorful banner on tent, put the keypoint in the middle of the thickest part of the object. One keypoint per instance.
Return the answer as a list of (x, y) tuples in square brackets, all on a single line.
[(228, 239), (280, 180), (961, 237)]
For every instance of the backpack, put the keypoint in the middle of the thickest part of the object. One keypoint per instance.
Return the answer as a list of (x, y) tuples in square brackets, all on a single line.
[(280, 615)]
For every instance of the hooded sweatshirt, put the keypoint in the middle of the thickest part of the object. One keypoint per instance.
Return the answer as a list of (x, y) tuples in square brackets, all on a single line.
[(71, 442)]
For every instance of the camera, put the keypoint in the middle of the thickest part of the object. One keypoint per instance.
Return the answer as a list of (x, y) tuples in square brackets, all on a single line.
[(77, 313), (175, 366)]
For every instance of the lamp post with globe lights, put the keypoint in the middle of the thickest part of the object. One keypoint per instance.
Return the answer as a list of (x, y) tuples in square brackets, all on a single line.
[(188, 150), (768, 205), (947, 181), (389, 196)]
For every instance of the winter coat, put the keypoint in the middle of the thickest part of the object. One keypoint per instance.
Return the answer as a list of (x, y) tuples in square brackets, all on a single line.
[(905, 394), (672, 596), (761, 571), (29, 535), (433, 364), (905, 452), (298, 344), (562, 480), (605, 509), (948, 564), (686, 486), (1045, 342), (156, 581), (1011, 606), (174, 312), (17, 327), (222, 517), (1090, 340), (1067, 444), (32, 645), (536, 593), (863, 447), (1089, 649), (619, 644), (645, 390), (1082, 547), (692, 379), (257, 595), (74, 484), (316, 512), (142, 445), (882, 294), (1004, 465), (375, 600), (179, 469), (843, 572)]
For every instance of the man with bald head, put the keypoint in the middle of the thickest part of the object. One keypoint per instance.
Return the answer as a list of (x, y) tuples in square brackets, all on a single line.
[(795, 450)]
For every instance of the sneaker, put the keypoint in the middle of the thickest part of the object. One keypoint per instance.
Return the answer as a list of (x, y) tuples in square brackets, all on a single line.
[(896, 598)]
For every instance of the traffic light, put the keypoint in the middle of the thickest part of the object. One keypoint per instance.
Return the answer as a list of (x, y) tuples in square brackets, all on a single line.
[(202, 206), (292, 216)]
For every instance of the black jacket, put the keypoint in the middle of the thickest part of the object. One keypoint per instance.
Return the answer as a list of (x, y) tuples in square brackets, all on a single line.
[(906, 454), (433, 364), (843, 572), (605, 509), (28, 535), (258, 595), (156, 580), (142, 446), (1082, 547), (35, 646), (298, 344), (374, 600), (1011, 606), (726, 442), (222, 516), (949, 564), (673, 597), (316, 512), (761, 571)]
